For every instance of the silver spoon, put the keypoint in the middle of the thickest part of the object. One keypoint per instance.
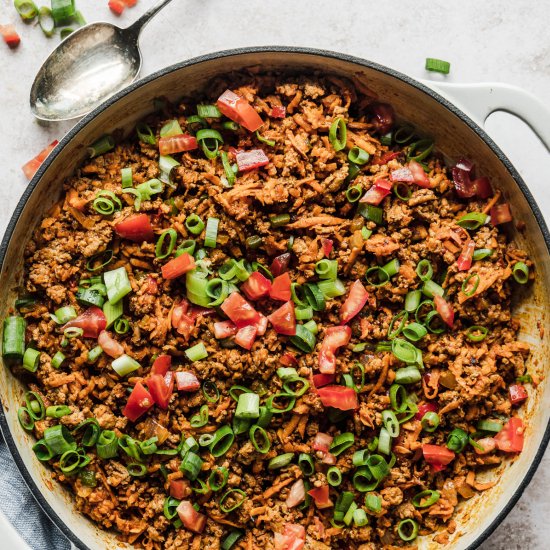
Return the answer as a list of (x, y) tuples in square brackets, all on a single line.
[(90, 65)]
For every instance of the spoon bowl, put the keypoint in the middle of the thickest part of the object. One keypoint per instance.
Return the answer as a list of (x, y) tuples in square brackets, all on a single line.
[(89, 66)]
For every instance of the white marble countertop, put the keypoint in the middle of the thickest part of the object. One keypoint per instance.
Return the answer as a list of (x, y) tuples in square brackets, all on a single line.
[(484, 41)]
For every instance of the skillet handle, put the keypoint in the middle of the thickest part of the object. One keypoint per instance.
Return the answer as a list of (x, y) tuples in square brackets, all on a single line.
[(480, 100)]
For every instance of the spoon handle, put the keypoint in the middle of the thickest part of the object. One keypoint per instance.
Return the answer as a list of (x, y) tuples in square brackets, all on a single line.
[(135, 28)]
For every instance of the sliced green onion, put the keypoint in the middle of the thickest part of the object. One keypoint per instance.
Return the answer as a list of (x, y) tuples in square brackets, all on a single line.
[(472, 220), (376, 276), (424, 270), (304, 340), (121, 326), (412, 300), (390, 423), (117, 283), (103, 144), (280, 461), (186, 247), (313, 296), (211, 235), (326, 269), (477, 333), (457, 440), (430, 421), (384, 441), (25, 418), (210, 391), (170, 508), (42, 451), (107, 444), (353, 171), (481, 253), (261, 444), (426, 498), (113, 311), (194, 224), (360, 457), (363, 480), (358, 156), (306, 464), (149, 446), (279, 220), (331, 289), (489, 426), (402, 190), (265, 417), (64, 315), (392, 267), (196, 122), (354, 193), (236, 502), (270, 142), (229, 173), (357, 366), (145, 134), (248, 406), (223, 439), (26, 9), (470, 284), (208, 111), (371, 212), (59, 440), (419, 150), (520, 271), (407, 375), (124, 365), (303, 313), (135, 469), (162, 251), (218, 478), (196, 352), (201, 419), (272, 405), (31, 359), (403, 134), (89, 297), (341, 442), (398, 398), (407, 529), (431, 288), (437, 65), (46, 21), (166, 165), (191, 465), (209, 140), (338, 134), (130, 446), (100, 260), (334, 476), (373, 503), (360, 518), (400, 318), (387, 139), (94, 354), (90, 432), (414, 332), (231, 539), (13, 338), (404, 351), (171, 129), (58, 411), (69, 462)]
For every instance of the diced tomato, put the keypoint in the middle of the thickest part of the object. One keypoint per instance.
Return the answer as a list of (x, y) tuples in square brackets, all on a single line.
[(321, 497), (339, 397), (320, 380), (256, 286), (403, 175), (326, 245), (335, 337), (252, 159), (278, 112), (420, 177), (136, 228), (329, 458), (383, 117), (239, 110), (31, 167), (10, 36), (518, 394), (288, 359), (438, 456), (92, 322), (130, 3), (109, 345), (261, 325), (224, 329), (161, 365), (297, 494), (181, 319), (445, 310), (245, 336), (462, 173), (280, 264), (117, 6), (500, 214), (190, 518), (177, 144), (179, 488), (161, 388), (424, 408), (354, 303), (187, 381), (139, 402), (283, 319), (294, 536), (280, 289), (198, 311), (510, 438), (386, 157), (379, 190), (240, 311), (486, 445), (464, 261), (176, 267), (152, 286), (322, 442), (483, 187)]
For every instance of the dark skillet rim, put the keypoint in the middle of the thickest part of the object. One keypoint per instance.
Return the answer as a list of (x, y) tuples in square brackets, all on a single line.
[(251, 50)]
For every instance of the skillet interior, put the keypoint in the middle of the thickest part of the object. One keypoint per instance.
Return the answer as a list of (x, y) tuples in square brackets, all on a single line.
[(455, 135)]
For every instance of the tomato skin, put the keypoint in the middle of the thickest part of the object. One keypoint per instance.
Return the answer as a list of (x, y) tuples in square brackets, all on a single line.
[(378, 192), (10, 36), (385, 158), (483, 187), (288, 359), (280, 264), (322, 442), (320, 496), (239, 110), (256, 286), (445, 310), (464, 261), (224, 329), (518, 394), (177, 267), (283, 319), (278, 112), (245, 336), (335, 337), (190, 518), (320, 380), (354, 303), (280, 288), (161, 365), (187, 381), (383, 117), (510, 438), (139, 402), (261, 325), (136, 228), (438, 456), (92, 322), (339, 397), (327, 245), (488, 445), (177, 144), (161, 388), (179, 488), (419, 175), (500, 214), (109, 345), (240, 311), (424, 408), (117, 6), (252, 159), (31, 167)]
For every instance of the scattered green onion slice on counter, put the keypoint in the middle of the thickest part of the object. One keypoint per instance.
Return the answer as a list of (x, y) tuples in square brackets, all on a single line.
[(437, 65)]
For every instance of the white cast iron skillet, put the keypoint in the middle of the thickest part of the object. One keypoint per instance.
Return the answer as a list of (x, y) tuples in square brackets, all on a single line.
[(455, 134)]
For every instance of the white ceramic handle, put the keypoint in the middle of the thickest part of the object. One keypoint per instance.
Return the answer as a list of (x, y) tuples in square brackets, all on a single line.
[(480, 100)]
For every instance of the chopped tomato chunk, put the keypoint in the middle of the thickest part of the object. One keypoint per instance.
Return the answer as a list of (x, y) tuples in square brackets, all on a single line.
[(161, 388), (280, 288), (321, 497), (256, 286), (240, 311), (117, 6), (10, 36), (92, 322), (177, 144), (283, 319), (139, 402), (278, 112), (190, 518), (386, 157), (288, 359), (518, 394), (419, 175), (224, 329), (239, 110), (31, 167), (335, 337), (379, 190), (320, 380), (424, 408), (327, 245), (445, 310), (135, 228), (161, 365), (178, 266), (245, 336), (464, 261), (187, 381), (500, 214), (356, 300), (252, 159), (339, 397), (280, 264), (510, 438), (179, 488), (438, 456), (109, 345)]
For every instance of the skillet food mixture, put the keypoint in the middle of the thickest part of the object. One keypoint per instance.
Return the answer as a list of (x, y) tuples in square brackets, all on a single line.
[(293, 330)]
